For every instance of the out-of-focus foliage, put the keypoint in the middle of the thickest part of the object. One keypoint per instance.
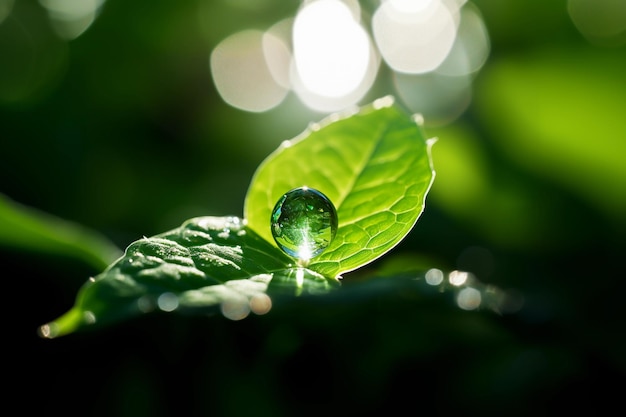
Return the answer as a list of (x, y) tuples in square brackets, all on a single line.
[(121, 129), (24, 228)]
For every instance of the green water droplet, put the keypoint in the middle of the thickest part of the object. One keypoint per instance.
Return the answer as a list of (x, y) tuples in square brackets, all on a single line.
[(304, 223)]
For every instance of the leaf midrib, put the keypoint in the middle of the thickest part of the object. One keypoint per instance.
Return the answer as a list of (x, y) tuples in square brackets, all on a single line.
[(355, 178)]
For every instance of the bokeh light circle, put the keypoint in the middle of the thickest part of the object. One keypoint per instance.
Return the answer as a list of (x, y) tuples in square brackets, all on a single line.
[(241, 73), (414, 40)]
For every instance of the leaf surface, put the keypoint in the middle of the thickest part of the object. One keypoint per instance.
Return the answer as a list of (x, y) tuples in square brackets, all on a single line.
[(207, 263)]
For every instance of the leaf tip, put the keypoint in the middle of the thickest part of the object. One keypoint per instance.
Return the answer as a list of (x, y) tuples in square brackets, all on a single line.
[(48, 331), (66, 324)]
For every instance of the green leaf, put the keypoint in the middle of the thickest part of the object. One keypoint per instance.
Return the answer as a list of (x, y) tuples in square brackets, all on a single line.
[(206, 263), (27, 228), (374, 165)]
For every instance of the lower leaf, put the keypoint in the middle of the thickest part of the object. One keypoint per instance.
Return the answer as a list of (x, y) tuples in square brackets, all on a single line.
[(206, 263)]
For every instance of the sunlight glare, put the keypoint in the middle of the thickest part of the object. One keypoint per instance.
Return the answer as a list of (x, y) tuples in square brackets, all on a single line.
[(410, 6), (457, 278), (299, 277), (331, 50), (327, 104)]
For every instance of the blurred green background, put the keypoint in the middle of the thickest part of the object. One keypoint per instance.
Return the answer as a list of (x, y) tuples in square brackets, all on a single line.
[(120, 129)]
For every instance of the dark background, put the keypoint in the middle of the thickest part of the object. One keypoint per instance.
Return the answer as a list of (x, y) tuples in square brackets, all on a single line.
[(122, 130)]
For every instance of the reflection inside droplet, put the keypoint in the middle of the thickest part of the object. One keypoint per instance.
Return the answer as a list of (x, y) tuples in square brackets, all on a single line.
[(300, 277), (304, 222)]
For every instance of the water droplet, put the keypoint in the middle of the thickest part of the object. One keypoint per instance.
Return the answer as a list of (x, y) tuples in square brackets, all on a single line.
[(418, 118), (383, 102), (48, 331), (89, 317), (314, 127), (304, 223), (167, 301)]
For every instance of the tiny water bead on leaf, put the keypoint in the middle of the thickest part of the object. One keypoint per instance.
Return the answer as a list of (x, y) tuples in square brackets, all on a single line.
[(304, 222)]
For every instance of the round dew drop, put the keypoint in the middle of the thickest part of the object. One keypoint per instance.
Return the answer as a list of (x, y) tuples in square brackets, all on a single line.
[(304, 223)]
